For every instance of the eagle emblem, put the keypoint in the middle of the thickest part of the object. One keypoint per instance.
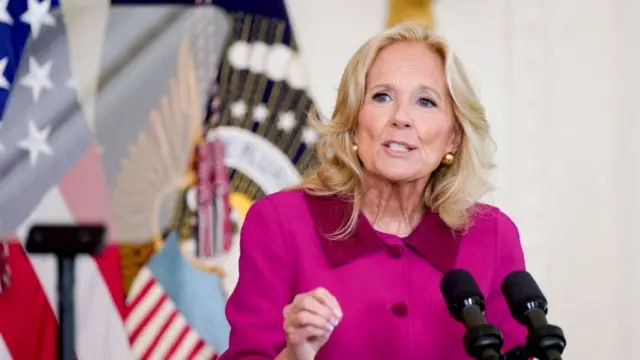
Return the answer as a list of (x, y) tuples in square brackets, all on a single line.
[(211, 163)]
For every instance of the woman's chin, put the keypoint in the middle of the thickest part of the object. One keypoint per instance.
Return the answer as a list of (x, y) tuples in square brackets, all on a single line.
[(397, 175)]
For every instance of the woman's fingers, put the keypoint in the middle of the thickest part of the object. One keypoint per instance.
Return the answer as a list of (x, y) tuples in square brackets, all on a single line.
[(311, 316), (324, 296)]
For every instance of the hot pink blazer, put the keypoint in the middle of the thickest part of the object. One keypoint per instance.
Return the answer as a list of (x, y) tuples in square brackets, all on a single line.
[(388, 287)]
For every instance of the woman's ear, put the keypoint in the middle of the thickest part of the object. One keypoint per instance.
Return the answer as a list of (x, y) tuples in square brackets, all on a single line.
[(455, 140)]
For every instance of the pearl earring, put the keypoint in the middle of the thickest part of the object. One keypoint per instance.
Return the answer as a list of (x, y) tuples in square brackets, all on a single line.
[(448, 159), (355, 148)]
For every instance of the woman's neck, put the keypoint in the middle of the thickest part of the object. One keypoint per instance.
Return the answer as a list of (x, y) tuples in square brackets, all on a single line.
[(393, 208)]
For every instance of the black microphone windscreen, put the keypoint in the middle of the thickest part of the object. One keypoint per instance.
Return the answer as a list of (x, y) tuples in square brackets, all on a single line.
[(519, 287), (458, 285)]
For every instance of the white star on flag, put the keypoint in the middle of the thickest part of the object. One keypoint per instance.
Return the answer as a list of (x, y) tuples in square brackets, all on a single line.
[(5, 17), (38, 78), (309, 136), (38, 15), (238, 109), (260, 113), (36, 142), (287, 121), (4, 82)]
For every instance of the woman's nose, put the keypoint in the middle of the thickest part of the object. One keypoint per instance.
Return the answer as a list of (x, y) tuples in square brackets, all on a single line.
[(401, 118)]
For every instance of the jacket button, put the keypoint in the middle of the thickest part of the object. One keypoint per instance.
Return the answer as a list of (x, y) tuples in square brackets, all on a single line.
[(395, 251), (399, 309)]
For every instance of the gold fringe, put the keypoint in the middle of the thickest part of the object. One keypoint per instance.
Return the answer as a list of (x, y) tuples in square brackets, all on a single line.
[(132, 258), (416, 10)]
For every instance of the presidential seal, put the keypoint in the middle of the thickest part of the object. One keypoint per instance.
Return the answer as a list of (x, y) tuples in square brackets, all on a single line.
[(254, 141)]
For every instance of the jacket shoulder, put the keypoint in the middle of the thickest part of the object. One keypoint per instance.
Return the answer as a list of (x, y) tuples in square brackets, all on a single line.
[(282, 201), (489, 215)]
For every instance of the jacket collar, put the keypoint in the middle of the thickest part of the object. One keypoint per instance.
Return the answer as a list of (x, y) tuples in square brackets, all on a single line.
[(432, 238)]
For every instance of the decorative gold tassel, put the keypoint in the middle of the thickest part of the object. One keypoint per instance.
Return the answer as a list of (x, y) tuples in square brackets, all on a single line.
[(416, 10)]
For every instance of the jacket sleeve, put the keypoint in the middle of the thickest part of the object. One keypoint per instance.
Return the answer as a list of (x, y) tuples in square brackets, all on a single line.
[(264, 287), (509, 257)]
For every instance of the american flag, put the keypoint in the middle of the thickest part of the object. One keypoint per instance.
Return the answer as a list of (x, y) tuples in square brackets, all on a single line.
[(160, 328), (50, 170)]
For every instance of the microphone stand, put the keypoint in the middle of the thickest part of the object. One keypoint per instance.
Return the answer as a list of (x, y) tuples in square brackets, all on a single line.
[(65, 242), (517, 353), (483, 342), (543, 343), (546, 342), (527, 352), (66, 321)]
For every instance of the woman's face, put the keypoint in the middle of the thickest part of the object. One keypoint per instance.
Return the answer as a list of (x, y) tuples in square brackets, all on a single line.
[(406, 124)]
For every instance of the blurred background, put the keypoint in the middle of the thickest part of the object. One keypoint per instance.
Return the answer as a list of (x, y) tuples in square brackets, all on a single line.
[(166, 120)]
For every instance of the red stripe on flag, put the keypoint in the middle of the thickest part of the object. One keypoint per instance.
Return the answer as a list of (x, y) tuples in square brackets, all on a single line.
[(27, 322), (161, 331), (85, 192), (196, 349), (178, 340), (109, 264), (147, 318), (141, 295)]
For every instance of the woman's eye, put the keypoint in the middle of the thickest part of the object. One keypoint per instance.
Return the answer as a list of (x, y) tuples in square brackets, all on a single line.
[(381, 97), (426, 102)]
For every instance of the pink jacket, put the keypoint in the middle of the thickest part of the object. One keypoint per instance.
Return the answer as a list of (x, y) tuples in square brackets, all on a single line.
[(388, 287)]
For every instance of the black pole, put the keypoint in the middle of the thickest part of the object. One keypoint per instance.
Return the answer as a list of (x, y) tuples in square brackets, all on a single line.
[(66, 300), (65, 242)]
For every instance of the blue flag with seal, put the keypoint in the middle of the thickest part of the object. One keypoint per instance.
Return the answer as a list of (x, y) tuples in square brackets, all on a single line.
[(252, 139)]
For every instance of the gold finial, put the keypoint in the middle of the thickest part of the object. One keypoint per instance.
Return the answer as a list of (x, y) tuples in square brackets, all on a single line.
[(416, 10)]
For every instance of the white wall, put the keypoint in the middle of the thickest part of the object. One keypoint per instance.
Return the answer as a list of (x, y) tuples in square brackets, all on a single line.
[(628, 57), (559, 79)]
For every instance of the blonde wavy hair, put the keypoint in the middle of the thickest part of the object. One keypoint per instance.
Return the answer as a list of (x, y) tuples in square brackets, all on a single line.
[(452, 191)]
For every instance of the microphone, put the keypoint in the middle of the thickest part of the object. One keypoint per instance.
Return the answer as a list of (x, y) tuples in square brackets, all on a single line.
[(465, 302), (529, 307)]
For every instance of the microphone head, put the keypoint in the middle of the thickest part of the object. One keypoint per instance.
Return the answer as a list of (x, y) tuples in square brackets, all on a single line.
[(522, 294), (460, 290)]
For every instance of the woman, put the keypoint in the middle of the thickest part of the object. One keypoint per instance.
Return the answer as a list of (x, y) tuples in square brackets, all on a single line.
[(348, 266)]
